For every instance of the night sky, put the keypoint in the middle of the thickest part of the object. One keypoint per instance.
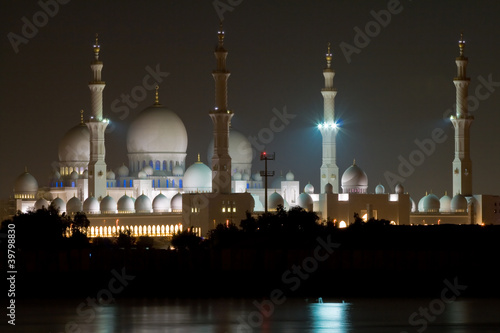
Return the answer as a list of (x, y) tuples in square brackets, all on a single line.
[(392, 91)]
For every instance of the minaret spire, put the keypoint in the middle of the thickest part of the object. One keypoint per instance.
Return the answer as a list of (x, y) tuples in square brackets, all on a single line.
[(221, 117), (461, 120), (329, 169), (97, 126)]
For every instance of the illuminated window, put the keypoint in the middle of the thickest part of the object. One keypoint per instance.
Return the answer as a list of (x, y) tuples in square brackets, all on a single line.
[(131, 183), (150, 163), (234, 209), (223, 209), (173, 182), (157, 165), (342, 224), (180, 183), (72, 184), (166, 183)]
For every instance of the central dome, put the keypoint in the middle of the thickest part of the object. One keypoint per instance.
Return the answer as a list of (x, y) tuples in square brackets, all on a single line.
[(157, 130)]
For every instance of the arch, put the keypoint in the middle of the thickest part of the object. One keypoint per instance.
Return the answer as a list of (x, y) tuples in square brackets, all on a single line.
[(157, 165), (136, 231), (140, 230), (151, 164), (164, 166)]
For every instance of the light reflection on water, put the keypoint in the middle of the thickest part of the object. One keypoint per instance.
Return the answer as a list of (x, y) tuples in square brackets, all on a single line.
[(242, 315)]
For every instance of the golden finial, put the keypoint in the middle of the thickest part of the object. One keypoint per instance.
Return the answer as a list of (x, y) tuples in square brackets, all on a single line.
[(328, 56), (461, 44), (96, 45), (199, 159), (81, 117), (354, 162), (157, 100), (220, 34)]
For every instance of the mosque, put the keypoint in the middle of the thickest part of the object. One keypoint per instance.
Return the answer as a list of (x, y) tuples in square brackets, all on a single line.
[(156, 194)]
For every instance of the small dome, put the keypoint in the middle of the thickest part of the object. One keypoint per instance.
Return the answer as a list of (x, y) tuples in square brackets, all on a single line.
[(399, 189), (85, 174), (75, 145), (142, 175), (275, 200), (459, 204), (290, 176), (74, 205), (309, 188), (41, 203), (143, 204), (25, 186), (108, 205), (413, 206), (59, 204), (123, 171), (430, 203), (305, 201), (198, 176), (160, 203), (257, 177), (177, 171), (328, 189), (379, 189), (148, 169), (110, 175), (245, 176), (125, 204), (91, 206), (74, 175), (237, 176), (354, 180), (445, 204), (176, 203), (55, 175)]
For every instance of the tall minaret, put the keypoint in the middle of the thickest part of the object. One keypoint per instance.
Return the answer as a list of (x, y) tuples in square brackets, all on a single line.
[(462, 165), (221, 117), (97, 126), (329, 169)]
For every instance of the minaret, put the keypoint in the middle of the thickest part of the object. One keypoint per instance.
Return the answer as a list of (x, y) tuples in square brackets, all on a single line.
[(97, 126), (221, 117), (329, 169), (462, 165)]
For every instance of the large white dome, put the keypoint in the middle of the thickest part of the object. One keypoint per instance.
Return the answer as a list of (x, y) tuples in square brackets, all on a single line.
[(157, 130), (75, 145), (240, 149)]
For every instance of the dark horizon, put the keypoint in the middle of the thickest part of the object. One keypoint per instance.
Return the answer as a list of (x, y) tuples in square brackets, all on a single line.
[(391, 92)]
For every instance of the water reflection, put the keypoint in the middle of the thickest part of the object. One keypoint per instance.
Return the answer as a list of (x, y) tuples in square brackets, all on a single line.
[(244, 316), (329, 317)]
